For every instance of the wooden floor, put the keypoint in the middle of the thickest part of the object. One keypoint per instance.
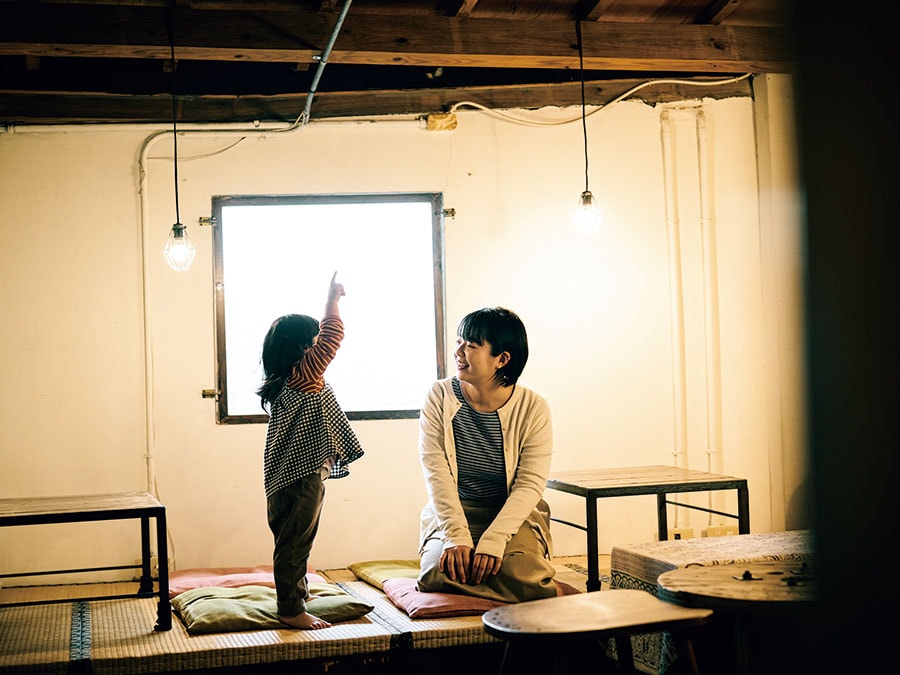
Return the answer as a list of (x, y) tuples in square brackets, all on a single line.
[(37, 639)]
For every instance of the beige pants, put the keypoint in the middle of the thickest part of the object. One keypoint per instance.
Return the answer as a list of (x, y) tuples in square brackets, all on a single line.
[(526, 572)]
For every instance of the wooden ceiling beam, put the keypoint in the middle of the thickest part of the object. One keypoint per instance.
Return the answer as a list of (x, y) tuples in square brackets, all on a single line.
[(80, 108), (123, 32)]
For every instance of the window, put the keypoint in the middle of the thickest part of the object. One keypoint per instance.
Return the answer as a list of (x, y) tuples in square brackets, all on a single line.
[(275, 255)]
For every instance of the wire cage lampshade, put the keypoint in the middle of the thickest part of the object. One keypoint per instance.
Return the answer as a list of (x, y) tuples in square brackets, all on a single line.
[(179, 251), (588, 216)]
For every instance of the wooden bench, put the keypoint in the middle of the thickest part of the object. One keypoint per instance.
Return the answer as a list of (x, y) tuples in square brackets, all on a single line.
[(84, 508), (555, 625)]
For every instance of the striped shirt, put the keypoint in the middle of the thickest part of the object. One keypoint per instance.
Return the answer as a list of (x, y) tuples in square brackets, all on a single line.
[(479, 452)]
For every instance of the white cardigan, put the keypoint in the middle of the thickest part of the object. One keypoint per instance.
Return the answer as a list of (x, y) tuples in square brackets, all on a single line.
[(527, 447)]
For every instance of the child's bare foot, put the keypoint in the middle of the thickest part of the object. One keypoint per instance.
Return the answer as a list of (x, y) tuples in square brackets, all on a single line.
[(304, 620)]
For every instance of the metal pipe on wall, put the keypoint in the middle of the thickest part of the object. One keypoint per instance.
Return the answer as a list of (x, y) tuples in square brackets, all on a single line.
[(676, 291), (712, 341)]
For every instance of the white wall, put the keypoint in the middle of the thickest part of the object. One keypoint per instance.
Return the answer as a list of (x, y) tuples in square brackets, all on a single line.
[(105, 351)]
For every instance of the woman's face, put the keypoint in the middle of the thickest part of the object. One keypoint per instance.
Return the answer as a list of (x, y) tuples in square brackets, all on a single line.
[(474, 362)]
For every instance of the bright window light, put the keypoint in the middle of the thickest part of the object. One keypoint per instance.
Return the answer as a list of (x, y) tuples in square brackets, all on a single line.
[(276, 255)]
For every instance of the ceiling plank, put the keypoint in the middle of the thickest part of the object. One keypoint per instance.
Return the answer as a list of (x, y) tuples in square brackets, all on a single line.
[(465, 7), (718, 11), (300, 36), (592, 11)]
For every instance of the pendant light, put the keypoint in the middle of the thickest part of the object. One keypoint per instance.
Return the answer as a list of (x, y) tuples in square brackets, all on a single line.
[(179, 251), (587, 215)]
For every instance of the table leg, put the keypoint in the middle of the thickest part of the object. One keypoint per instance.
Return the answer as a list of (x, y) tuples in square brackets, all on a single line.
[(593, 548), (505, 667), (662, 517), (741, 646), (743, 498), (146, 574), (685, 647), (164, 608), (624, 654)]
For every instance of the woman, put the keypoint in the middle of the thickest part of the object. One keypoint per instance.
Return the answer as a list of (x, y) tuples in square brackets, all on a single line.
[(485, 445)]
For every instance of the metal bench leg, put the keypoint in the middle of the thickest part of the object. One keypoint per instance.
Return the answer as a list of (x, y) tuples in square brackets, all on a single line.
[(624, 654), (686, 652)]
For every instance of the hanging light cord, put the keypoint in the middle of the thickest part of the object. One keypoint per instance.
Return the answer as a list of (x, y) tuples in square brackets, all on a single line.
[(174, 117), (583, 115)]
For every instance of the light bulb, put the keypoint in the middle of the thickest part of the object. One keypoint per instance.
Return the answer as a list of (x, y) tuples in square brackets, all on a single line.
[(588, 215), (179, 251)]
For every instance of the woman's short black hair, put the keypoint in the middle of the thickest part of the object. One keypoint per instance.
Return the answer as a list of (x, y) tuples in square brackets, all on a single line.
[(504, 331), (288, 338)]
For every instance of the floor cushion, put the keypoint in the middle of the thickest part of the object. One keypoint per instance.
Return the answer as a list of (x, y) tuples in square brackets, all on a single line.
[(375, 572), (227, 577), (220, 609), (420, 605)]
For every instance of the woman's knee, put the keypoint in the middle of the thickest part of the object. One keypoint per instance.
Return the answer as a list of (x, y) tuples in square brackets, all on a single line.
[(431, 579)]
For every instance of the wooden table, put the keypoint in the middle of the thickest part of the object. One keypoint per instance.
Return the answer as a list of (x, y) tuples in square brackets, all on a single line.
[(644, 480), (83, 508), (769, 603), (639, 565), (553, 626)]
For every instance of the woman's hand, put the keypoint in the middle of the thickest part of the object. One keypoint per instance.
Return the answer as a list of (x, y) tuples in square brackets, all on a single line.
[(483, 567), (460, 565), (455, 562)]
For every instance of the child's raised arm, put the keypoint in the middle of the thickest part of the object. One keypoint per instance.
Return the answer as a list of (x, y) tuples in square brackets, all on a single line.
[(335, 291)]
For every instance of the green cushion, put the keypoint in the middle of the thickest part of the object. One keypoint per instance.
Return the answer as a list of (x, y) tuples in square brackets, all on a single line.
[(376, 572), (223, 610)]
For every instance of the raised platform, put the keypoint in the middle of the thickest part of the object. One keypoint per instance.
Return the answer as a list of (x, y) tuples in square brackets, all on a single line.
[(117, 637)]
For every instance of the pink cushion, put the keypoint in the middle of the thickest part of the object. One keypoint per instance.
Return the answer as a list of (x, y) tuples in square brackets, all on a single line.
[(227, 577), (562, 588), (419, 605)]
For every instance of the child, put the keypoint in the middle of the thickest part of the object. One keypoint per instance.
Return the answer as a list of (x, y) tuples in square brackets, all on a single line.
[(308, 440)]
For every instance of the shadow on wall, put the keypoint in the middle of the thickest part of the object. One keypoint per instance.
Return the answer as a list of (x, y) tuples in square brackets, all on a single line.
[(798, 516)]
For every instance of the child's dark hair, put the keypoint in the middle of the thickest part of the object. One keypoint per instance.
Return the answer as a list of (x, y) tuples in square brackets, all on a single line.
[(288, 338), (504, 330)]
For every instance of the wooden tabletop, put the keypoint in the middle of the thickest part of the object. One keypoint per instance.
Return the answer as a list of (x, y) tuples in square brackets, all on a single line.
[(636, 480), (780, 588), (585, 613), (36, 510)]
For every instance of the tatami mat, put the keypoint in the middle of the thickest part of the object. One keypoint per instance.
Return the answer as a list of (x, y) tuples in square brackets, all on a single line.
[(125, 643), (421, 633), (35, 639), (117, 637)]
